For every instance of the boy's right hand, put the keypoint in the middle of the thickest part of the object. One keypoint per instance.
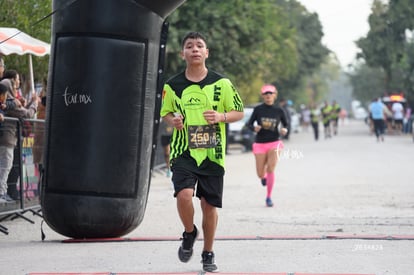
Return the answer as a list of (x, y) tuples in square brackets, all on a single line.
[(178, 121)]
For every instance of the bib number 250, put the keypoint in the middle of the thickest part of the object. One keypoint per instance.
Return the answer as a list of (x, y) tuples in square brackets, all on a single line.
[(203, 136)]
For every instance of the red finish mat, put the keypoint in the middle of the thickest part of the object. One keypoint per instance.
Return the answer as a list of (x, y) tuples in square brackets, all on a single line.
[(247, 238), (192, 273)]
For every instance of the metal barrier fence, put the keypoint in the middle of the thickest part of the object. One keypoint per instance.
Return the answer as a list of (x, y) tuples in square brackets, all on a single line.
[(24, 177)]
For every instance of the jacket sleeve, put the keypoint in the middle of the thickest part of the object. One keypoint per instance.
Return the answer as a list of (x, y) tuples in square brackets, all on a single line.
[(10, 104), (21, 112)]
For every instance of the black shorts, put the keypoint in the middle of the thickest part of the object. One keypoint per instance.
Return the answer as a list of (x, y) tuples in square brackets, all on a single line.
[(208, 187)]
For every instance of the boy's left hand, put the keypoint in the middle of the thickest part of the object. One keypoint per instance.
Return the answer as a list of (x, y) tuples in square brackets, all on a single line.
[(211, 116)]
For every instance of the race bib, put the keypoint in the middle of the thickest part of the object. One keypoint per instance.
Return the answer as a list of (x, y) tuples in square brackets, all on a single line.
[(269, 123), (203, 136)]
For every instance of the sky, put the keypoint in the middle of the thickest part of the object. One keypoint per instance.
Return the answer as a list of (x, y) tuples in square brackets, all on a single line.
[(343, 22)]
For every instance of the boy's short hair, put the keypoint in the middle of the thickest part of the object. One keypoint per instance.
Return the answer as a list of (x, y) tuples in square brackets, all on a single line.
[(3, 89), (193, 35)]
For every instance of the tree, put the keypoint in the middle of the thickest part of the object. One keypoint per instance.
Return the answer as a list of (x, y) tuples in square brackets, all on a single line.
[(312, 54), (367, 82), (320, 81), (252, 42), (248, 40), (406, 72), (387, 47), (381, 47)]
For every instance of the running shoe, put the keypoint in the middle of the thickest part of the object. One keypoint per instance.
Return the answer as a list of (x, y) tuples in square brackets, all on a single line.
[(264, 181), (269, 202), (7, 198), (209, 263), (186, 249)]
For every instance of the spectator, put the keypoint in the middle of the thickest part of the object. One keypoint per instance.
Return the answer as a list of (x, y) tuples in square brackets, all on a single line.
[(315, 118), (407, 121), (39, 130), (12, 79), (3, 153), (11, 101), (326, 112), (398, 116), (3, 106), (343, 115), (376, 109), (336, 109), (306, 118), (8, 141), (388, 120)]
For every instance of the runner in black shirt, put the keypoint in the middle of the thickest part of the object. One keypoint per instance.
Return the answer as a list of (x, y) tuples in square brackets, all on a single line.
[(265, 121)]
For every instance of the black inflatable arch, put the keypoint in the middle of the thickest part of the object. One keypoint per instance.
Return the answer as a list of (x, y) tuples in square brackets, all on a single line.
[(102, 101)]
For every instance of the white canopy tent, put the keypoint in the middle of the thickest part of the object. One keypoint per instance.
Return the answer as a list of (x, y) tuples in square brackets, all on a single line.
[(13, 41)]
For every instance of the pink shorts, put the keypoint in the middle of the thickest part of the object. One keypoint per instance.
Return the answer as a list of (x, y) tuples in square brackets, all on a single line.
[(263, 148)]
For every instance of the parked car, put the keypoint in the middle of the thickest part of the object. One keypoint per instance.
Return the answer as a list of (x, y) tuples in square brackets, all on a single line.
[(358, 111), (239, 134)]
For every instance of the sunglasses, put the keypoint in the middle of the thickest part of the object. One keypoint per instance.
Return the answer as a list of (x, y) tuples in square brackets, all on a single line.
[(267, 93)]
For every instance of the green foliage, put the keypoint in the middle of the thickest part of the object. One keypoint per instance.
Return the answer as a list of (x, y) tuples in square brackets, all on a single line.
[(382, 46), (405, 71), (310, 51), (246, 39), (309, 36), (318, 83), (388, 50), (367, 82), (252, 42)]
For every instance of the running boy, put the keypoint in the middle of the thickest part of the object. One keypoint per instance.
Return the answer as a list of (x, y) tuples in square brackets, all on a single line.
[(197, 103)]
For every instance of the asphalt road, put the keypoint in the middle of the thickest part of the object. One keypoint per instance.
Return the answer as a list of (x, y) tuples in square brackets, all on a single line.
[(344, 205)]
